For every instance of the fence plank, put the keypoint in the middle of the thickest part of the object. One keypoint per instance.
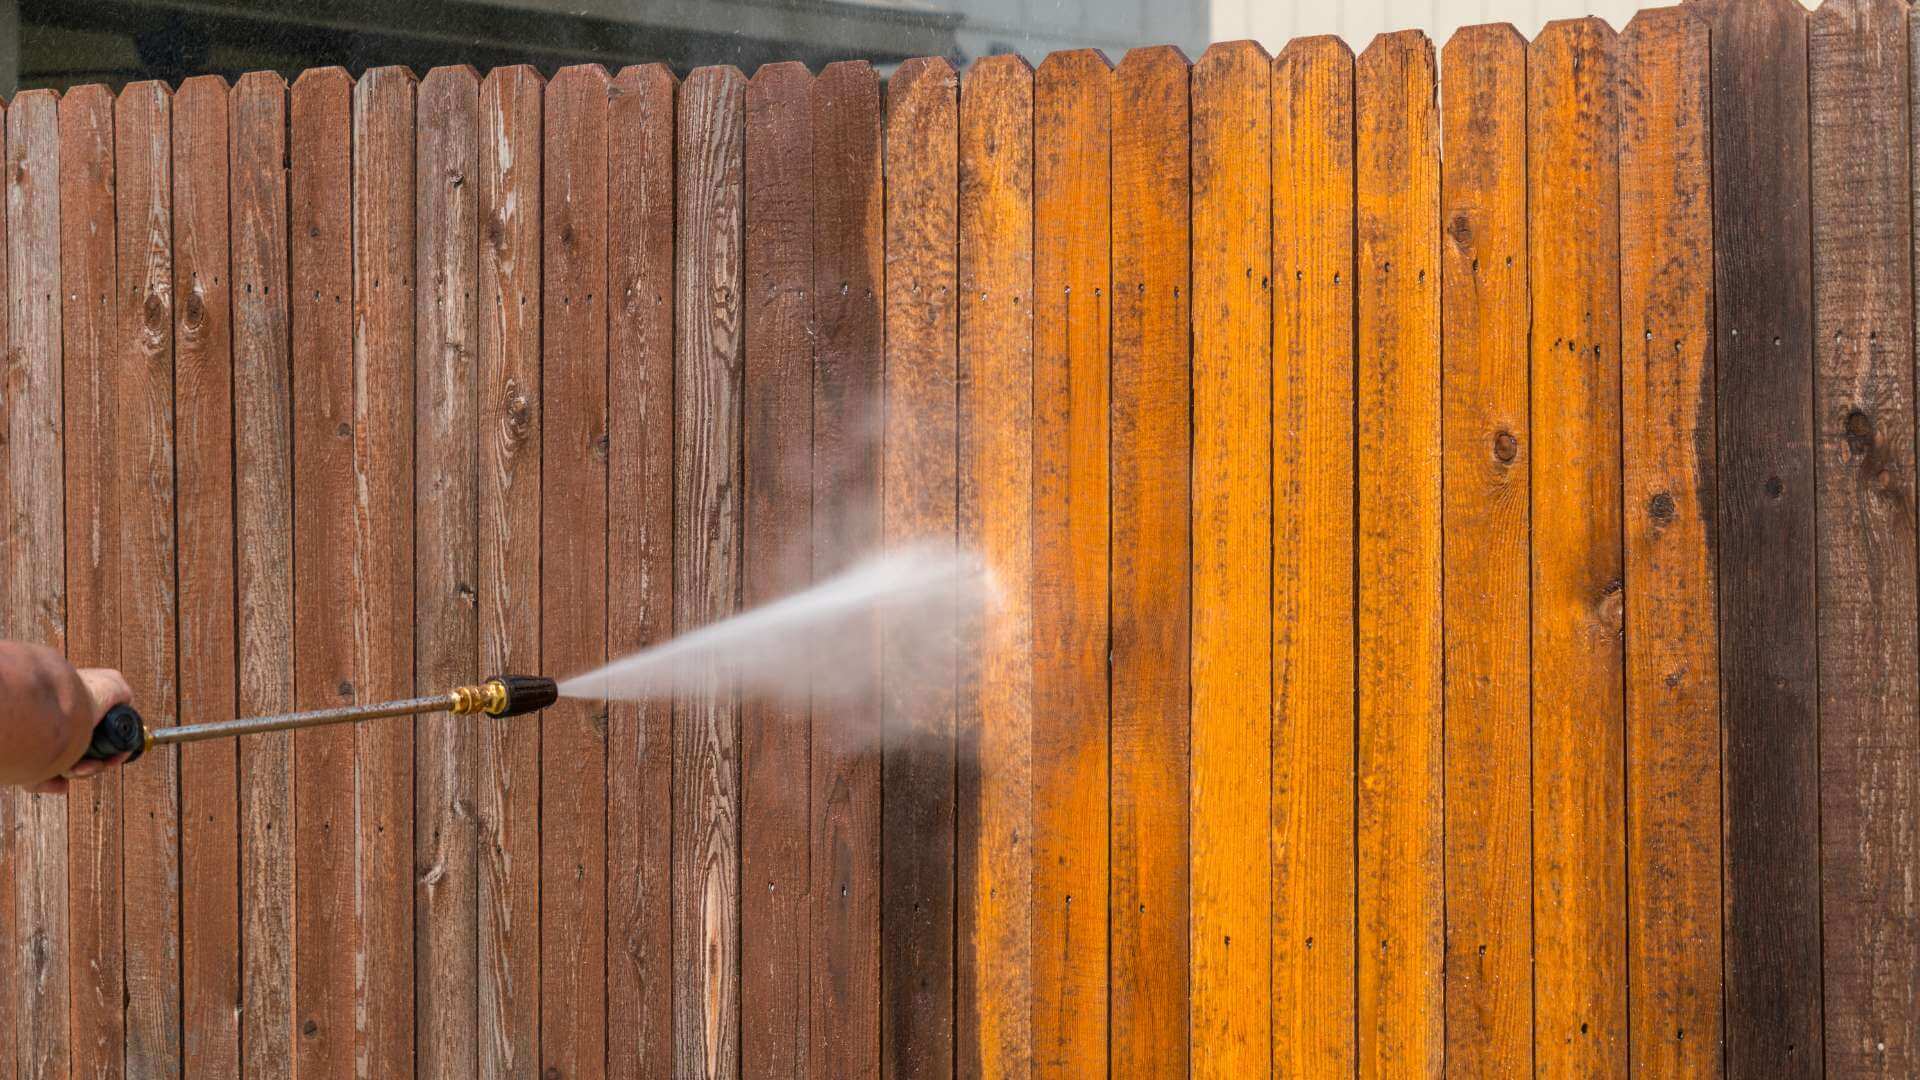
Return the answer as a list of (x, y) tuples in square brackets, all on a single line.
[(995, 718), (89, 347), (142, 503), (35, 579), (1151, 563), (1863, 357), (1232, 560), (847, 274), (507, 761), (1578, 710), (708, 361), (327, 931), (1489, 450), (202, 312), (920, 480), (640, 567), (1072, 267), (263, 566), (573, 554), (446, 630), (1401, 849), (1668, 420), (1313, 794), (776, 558), (11, 867), (1768, 681)]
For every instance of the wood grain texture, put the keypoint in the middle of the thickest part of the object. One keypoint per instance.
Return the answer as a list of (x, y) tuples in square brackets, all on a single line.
[(776, 552), (708, 363), (848, 256), (33, 603), (89, 293), (263, 565), (993, 1025), (201, 308), (11, 844), (327, 935), (1072, 271), (143, 511), (1673, 666), (1399, 771), (507, 756), (1151, 564), (446, 569), (384, 252), (919, 476), (1863, 409), (1768, 654), (1313, 552), (1487, 523), (640, 124), (573, 573)]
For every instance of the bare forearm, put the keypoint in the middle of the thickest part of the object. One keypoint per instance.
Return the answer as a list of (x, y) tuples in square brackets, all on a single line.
[(44, 714)]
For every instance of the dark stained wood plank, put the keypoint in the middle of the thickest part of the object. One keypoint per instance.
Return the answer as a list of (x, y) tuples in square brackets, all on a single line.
[(776, 558), (708, 374), (507, 756), (847, 497), (573, 561), (1488, 454), (33, 603), (919, 476), (89, 358), (1072, 271), (142, 507), (202, 312), (10, 847), (1151, 563), (262, 490), (1673, 665), (994, 868), (1401, 850), (327, 929), (1863, 362), (1768, 657), (446, 549), (1313, 558), (640, 567)]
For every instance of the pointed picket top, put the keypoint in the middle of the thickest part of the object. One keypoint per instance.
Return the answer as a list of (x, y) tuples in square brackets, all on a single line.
[(316, 83), (849, 70), (988, 70), (1153, 56), (1074, 64), (1313, 49), (922, 71), (1576, 32), (1855, 15), (1751, 12), (86, 98), (789, 76), (505, 80), (450, 77), (1482, 39), (641, 78), (146, 90), (1662, 20), (591, 74)]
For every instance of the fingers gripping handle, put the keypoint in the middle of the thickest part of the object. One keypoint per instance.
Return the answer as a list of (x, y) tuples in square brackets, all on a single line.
[(121, 731)]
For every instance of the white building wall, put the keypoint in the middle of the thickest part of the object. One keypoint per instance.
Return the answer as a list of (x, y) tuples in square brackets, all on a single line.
[(1275, 22)]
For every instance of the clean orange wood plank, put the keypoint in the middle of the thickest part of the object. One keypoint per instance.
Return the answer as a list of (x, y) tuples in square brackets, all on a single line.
[(1863, 358), (1400, 847), (640, 566), (507, 756), (708, 358), (446, 547), (1673, 664), (1313, 553), (919, 478), (202, 313), (1151, 562), (383, 609), (142, 505), (1232, 561), (263, 562), (1486, 519), (847, 274), (1072, 267), (995, 717), (573, 561), (89, 339), (327, 932), (777, 465), (1579, 876)]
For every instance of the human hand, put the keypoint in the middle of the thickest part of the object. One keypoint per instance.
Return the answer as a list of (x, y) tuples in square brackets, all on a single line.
[(105, 688)]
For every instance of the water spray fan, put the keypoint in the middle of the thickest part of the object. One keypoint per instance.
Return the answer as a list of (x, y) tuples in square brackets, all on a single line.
[(122, 731)]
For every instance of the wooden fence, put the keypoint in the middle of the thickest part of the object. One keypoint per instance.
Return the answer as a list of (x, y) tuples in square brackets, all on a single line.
[(1458, 609)]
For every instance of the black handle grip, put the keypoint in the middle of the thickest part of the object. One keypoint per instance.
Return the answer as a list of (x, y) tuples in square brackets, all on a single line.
[(121, 731)]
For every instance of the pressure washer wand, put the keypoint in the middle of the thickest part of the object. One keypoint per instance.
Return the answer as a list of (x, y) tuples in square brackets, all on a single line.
[(122, 731)]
